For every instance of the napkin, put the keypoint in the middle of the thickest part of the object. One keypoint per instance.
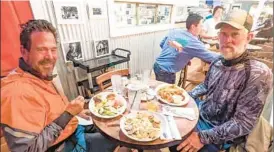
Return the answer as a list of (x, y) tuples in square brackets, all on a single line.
[(188, 113)]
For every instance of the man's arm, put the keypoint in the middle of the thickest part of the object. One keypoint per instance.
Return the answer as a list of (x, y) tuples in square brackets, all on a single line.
[(249, 107), (23, 141), (24, 115), (163, 42)]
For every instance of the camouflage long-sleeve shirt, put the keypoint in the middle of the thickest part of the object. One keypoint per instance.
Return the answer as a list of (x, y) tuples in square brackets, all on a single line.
[(231, 108)]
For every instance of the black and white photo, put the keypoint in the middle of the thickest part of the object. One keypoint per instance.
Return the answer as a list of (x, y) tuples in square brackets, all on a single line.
[(72, 50), (69, 12), (101, 48), (97, 9)]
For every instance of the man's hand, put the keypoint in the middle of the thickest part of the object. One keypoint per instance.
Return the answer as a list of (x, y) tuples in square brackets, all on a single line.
[(191, 144), (86, 114), (76, 106), (176, 45)]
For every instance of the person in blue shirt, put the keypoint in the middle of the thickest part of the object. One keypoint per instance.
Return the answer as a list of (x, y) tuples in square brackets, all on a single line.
[(172, 59)]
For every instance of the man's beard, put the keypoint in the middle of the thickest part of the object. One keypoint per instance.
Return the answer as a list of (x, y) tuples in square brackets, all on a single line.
[(45, 72)]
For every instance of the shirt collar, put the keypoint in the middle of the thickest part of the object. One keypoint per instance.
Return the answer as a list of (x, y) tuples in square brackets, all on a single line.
[(25, 67)]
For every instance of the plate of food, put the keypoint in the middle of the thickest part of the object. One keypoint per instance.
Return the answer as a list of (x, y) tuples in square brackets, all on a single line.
[(172, 94), (141, 126), (107, 105)]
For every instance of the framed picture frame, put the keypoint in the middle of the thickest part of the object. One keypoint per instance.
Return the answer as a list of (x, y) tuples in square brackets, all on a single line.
[(72, 50), (97, 10), (69, 12), (236, 6), (101, 47)]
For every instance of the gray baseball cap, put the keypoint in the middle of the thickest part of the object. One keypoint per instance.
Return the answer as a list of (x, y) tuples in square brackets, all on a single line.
[(238, 19)]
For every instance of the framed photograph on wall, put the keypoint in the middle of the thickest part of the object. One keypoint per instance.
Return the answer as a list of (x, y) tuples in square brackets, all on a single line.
[(97, 10), (72, 50), (235, 6), (69, 12), (101, 47)]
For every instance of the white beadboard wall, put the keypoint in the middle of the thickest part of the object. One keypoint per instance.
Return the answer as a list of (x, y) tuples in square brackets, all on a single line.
[(144, 47)]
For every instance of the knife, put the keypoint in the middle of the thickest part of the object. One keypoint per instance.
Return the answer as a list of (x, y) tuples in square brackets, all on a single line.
[(173, 128)]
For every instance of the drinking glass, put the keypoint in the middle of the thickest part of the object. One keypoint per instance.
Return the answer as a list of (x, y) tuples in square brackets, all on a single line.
[(116, 81)]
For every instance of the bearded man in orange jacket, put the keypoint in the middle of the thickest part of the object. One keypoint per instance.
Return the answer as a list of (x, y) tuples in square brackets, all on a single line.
[(35, 116)]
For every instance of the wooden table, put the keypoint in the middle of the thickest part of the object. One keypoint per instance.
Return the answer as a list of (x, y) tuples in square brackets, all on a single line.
[(110, 127)]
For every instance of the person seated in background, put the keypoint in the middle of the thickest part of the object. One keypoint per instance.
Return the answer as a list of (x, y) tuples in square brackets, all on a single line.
[(209, 31), (235, 89), (35, 116), (179, 47)]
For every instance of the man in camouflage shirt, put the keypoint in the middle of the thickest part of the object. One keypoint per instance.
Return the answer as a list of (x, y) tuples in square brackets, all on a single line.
[(236, 87)]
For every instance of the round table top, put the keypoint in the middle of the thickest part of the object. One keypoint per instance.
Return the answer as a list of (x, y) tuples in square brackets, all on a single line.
[(110, 128)]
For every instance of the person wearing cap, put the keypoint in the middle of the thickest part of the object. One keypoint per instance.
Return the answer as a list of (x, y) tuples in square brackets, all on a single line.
[(179, 47), (35, 115), (236, 88)]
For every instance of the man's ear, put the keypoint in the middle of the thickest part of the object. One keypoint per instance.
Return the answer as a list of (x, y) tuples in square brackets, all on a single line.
[(23, 51), (250, 36)]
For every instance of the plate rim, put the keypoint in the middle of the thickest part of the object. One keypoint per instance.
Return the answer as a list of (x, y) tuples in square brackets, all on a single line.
[(186, 100), (122, 120), (146, 86), (107, 117)]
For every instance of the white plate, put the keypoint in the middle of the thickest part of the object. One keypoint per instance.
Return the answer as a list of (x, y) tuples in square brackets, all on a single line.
[(132, 115), (84, 122), (184, 102), (120, 111), (136, 87)]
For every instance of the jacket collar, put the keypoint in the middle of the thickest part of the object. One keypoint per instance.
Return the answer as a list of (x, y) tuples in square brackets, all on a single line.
[(25, 67)]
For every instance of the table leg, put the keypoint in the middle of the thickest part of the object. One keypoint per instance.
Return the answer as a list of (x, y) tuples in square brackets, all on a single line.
[(90, 81)]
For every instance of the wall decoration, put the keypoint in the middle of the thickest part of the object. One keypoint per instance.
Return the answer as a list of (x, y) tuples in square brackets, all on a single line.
[(146, 14), (125, 14), (180, 14), (163, 14), (97, 10), (69, 12), (72, 50), (101, 47)]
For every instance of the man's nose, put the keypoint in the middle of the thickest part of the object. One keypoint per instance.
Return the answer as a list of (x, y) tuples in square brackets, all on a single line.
[(49, 54), (228, 39)]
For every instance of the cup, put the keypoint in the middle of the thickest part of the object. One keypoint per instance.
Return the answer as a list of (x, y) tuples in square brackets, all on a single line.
[(152, 106), (145, 76), (116, 81)]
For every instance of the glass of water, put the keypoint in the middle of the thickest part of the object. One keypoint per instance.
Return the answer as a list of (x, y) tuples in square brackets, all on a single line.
[(116, 81)]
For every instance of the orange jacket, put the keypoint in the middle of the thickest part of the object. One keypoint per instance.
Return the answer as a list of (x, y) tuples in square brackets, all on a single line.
[(30, 104)]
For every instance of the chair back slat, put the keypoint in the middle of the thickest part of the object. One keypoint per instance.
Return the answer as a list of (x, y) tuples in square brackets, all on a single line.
[(107, 76)]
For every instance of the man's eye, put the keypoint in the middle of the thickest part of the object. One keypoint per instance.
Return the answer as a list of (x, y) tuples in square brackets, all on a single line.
[(39, 49), (235, 34)]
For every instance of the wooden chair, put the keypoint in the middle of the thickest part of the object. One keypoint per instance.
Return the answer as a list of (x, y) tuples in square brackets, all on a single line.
[(194, 78), (101, 80)]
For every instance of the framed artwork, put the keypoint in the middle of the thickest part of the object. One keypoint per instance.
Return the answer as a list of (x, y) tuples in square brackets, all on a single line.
[(72, 50), (97, 10), (69, 12), (125, 14), (236, 6), (101, 48), (146, 14), (163, 14)]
